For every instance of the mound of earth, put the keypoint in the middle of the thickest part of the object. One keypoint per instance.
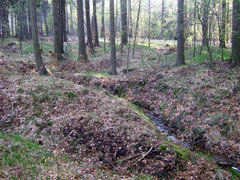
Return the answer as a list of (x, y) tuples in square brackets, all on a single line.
[(95, 128)]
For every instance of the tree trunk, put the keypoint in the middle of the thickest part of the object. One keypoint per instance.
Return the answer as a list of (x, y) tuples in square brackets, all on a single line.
[(45, 9), (64, 24), (103, 26), (149, 23), (113, 67), (12, 23), (89, 32), (67, 20), (205, 39), (57, 30), (180, 34), (82, 55), (223, 28), (130, 18), (195, 24), (162, 18), (71, 19), (95, 25), (1, 16), (124, 33), (102, 18), (40, 66), (236, 32), (136, 29), (29, 24)]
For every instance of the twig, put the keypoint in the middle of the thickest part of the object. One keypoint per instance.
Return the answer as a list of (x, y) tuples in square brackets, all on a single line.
[(141, 157), (16, 168), (12, 110), (66, 137)]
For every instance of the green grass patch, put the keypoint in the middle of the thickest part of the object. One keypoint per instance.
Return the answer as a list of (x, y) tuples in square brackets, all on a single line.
[(24, 154), (182, 152)]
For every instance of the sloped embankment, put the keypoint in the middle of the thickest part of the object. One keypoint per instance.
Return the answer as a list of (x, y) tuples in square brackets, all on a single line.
[(197, 105), (92, 128)]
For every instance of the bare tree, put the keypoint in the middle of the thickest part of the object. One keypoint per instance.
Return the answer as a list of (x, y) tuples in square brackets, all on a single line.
[(113, 66), (124, 36), (82, 55), (180, 34), (40, 66), (57, 30), (137, 25), (236, 33)]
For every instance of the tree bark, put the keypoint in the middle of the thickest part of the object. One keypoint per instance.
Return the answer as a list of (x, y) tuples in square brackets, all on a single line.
[(130, 18), (29, 23), (89, 32), (205, 39), (137, 25), (40, 66), (1, 15), (57, 30), (113, 66), (95, 25), (236, 32), (149, 23), (124, 34), (223, 28), (45, 8), (180, 34), (71, 19), (162, 18), (82, 55), (103, 26)]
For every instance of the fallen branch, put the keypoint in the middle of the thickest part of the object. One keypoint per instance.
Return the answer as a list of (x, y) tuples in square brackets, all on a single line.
[(66, 137), (141, 158)]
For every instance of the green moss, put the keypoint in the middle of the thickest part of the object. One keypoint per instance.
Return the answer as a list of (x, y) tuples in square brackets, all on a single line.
[(70, 95), (182, 152), (235, 174)]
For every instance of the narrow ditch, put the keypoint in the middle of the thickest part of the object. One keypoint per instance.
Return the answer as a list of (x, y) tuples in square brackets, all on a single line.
[(221, 161)]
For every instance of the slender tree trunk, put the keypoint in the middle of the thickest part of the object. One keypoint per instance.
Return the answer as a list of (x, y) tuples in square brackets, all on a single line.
[(29, 24), (162, 18), (64, 24), (12, 23), (45, 8), (124, 33), (57, 30), (195, 24), (130, 18), (137, 25), (205, 39), (1, 16), (82, 55), (223, 28), (103, 26), (71, 19), (67, 20), (95, 25), (227, 21), (113, 66), (149, 23), (89, 32), (180, 34), (236, 32), (40, 66)]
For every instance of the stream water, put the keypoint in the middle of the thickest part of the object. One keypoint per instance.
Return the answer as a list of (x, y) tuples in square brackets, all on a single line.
[(220, 160)]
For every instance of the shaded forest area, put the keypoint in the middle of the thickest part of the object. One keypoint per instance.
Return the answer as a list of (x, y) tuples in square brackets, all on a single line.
[(120, 89)]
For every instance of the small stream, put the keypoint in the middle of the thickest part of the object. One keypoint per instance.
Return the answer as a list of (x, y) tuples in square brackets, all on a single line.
[(220, 160)]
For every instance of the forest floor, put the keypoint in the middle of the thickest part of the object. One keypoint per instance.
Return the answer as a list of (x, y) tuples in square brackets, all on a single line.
[(82, 123)]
